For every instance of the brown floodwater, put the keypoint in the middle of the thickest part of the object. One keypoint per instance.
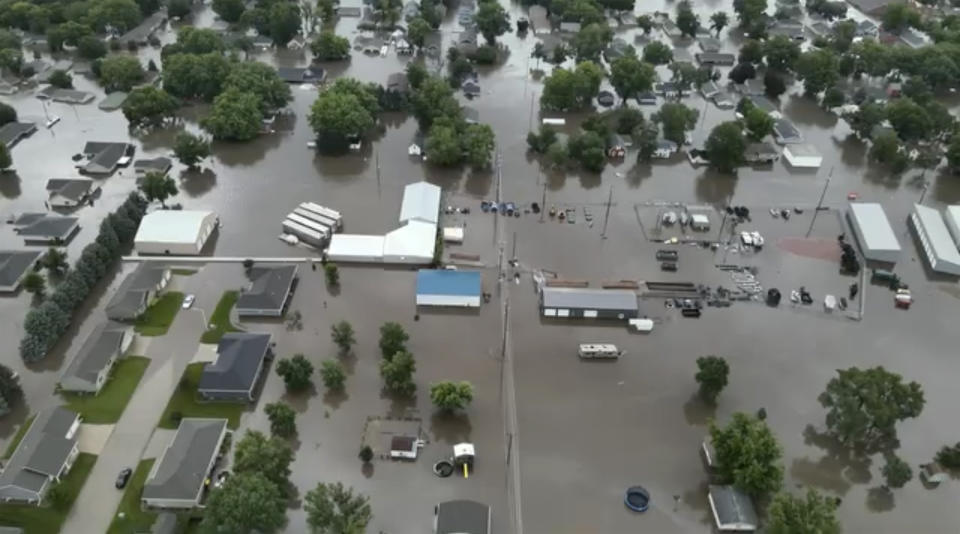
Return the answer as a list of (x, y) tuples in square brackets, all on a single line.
[(585, 431)]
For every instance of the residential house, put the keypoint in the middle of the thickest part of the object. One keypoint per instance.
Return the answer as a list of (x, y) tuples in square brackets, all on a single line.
[(470, 88), (709, 44), (44, 455), (403, 47), (65, 96), (262, 43), (716, 58), (90, 367), (467, 41), (616, 49), (43, 229), (821, 29), (760, 153), (313, 74), (142, 33), (647, 98), (670, 29), (349, 11), (239, 364), (14, 267), (874, 8), (142, 167), (616, 147), (764, 104), (665, 149), (682, 54), (709, 89), (138, 291), (786, 133), (539, 21), (914, 38), (104, 158), (70, 192), (667, 89), (398, 83), (299, 42), (179, 478), (269, 291), (411, 10), (113, 101), (788, 28), (570, 27), (867, 28), (751, 87), (461, 517), (12, 132)]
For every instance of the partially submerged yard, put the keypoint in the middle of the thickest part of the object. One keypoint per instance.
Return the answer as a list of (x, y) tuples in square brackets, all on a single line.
[(48, 519), (107, 406)]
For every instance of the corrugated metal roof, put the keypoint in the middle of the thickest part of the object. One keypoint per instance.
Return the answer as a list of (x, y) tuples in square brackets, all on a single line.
[(874, 227), (421, 201), (172, 226), (945, 257), (442, 282), (593, 299)]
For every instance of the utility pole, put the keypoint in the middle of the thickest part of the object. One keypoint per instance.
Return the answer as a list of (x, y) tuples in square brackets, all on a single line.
[(543, 202), (377, 156), (819, 203), (924, 187), (606, 217)]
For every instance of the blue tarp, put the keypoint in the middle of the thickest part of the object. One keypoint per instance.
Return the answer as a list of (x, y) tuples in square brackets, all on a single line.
[(441, 282)]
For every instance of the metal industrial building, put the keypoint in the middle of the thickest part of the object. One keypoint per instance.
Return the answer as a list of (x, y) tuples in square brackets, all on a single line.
[(952, 216), (588, 303), (448, 288), (935, 241), (175, 232), (873, 232)]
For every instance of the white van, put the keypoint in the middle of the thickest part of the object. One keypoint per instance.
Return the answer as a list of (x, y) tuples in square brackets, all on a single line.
[(599, 350)]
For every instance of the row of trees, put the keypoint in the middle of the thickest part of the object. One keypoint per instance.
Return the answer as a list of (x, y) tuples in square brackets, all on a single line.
[(44, 324), (279, 20), (55, 262), (67, 21), (10, 392), (451, 139)]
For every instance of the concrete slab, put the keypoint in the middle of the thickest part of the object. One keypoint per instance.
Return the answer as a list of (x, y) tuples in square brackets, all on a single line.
[(206, 352), (158, 442), (139, 346), (92, 438)]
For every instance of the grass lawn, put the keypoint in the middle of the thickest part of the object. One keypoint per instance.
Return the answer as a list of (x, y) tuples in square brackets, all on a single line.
[(18, 437), (220, 320), (107, 406), (47, 519), (186, 402), (134, 519), (183, 272), (159, 316)]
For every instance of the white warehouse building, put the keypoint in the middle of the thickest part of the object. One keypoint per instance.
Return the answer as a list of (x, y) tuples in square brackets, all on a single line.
[(935, 241), (175, 232), (952, 216), (873, 232)]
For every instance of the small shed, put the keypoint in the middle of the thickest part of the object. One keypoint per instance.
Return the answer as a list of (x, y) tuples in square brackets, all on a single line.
[(699, 221), (439, 287), (786, 133), (453, 234), (803, 156), (761, 153), (732, 509), (405, 447), (877, 240)]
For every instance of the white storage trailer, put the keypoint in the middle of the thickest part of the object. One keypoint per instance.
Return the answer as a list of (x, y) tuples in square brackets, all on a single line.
[(327, 222), (326, 212), (313, 225), (306, 235)]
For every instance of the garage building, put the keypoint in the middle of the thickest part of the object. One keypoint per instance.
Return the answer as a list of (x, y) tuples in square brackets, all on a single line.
[(588, 303), (873, 232), (448, 288), (952, 216), (356, 248), (175, 232), (935, 241)]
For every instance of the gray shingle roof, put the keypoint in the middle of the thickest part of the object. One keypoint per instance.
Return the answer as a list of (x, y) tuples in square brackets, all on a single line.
[(41, 454), (183, 467), (105, 156), (301, 75), (12, 132), (270, 288), (72, 188), (14, 264), (102, 344), (129, 299), (239, 357), (463, 517), (43, 226), (595, 299), (160, 164)]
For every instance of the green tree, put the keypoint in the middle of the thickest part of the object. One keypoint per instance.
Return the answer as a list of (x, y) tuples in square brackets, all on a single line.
[(327, 9), (758, 124), (191, 40), (953, 154), (864, 405), (190, 149), (60, 78), (718, 21), (178, 9), (417, 31), (540, 142), (810, 514), (948, 456), (195, 75), (235, 116), (434, 99), (229, 10), (896, 472), (284, 22), (752, 51), (335, 509), (477, 144), (416, 75), (261, 80), (687, 21), (397, 372), (7, 113), (645, 23), (590, 41), (55, 261), (335, 115), (645, 139), (629, 76), (781, 53), (6, 161), (122, 15), (35, 284), (332, 273), (366, 454), (833, 97), (748, 455), (774, 84), (676, 119), (247, 502), (898, 17), (443, 143), (296, 372), (10, 391), (58, 496), (749, 12), (657, 53), (712, 373), (909, 119), (328, 46), (393, 339), (491, 20), (450, 396), (864, 120), (818, 69), (42, 326), (120, 73), (725, 146), (627, 121), (343, 336), (149, 106), (283, 420), (332, 374), (588, 149), (159, 187), (270, 457)]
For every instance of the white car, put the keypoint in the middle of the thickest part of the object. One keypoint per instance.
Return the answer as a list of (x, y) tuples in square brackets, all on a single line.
[(188, 301)]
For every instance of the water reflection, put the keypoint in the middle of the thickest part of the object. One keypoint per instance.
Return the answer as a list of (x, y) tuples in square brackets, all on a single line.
[(195, 183), (450, 428), (9, 184)]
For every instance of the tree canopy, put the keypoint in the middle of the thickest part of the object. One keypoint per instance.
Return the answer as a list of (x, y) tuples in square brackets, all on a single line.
[(712, 373), (491, 20), (296, 372), (332, 374), (335, 509), (345, 109), (190, 149), (397, 372), (270, 457), (676, 119), (158, 186), (283, 420), (630, 76), (725, 147), (748, 455), (393, 339), (811, 514), (235, 116), (246, 502), (657, 53), (818, 69), (328, 46), (149, 106), (449, 396), (261, 80), (120, 73), (590, 41), (566, 90)]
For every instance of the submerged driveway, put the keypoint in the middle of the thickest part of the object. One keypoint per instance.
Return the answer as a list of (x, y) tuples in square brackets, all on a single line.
[(169, 355)]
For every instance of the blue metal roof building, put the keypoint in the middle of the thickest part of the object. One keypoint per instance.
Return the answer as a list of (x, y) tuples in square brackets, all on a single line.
[(448, 288)]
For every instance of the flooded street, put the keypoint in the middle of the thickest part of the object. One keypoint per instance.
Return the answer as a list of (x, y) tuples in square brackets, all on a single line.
[(586, 431)]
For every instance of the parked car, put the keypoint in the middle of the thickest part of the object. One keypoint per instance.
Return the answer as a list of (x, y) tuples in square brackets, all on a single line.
[(188, 301), (123, 477), (667, 255)]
